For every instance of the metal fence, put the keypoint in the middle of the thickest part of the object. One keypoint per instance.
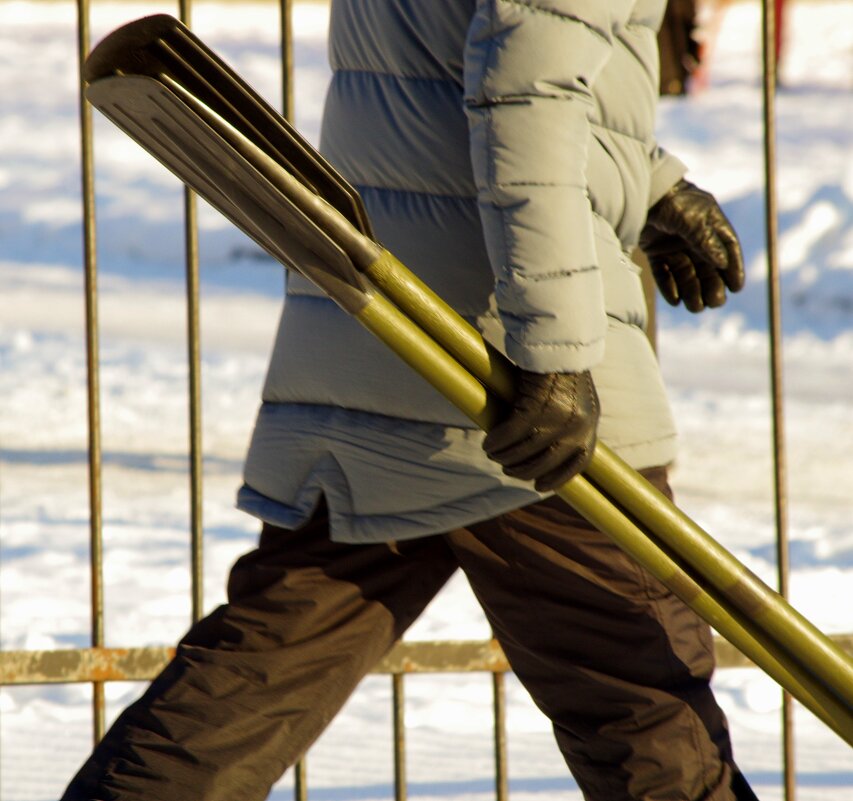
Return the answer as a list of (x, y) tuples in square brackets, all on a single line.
[(99, 664)]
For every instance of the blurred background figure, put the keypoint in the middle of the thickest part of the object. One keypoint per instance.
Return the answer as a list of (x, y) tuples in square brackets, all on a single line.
[(704, 25), (680, 51)]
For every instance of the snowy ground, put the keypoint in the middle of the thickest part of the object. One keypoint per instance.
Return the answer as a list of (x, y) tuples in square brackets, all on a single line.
[(715, 367)]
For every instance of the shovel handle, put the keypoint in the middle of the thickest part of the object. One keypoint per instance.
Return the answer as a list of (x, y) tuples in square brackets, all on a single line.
[(442, 369), (742, 591)]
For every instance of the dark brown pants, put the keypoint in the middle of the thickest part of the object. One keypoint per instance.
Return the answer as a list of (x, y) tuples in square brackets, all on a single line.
[(618, 664)]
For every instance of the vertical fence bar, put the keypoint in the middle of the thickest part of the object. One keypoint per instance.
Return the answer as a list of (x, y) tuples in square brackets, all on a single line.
[(774, 303), (300, 781), (400, 782), (501, 773), (90, 269), (194, 360), (286, 17), (286, 24), (300, 787)]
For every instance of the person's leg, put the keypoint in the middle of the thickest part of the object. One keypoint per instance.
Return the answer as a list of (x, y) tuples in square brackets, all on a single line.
[(619, 665), (256, 682)]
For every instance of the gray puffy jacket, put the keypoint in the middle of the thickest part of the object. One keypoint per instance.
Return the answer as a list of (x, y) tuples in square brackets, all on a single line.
[(505, 150)]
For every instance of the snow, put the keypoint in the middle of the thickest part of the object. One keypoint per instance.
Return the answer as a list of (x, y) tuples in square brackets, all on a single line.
[(715, 366)]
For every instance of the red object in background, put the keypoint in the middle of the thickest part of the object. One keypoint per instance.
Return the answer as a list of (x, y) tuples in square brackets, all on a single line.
[(778, 7), (710, 29)]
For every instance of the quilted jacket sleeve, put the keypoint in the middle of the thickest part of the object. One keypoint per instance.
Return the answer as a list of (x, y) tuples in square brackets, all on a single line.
[(530, 66), (667, 170)]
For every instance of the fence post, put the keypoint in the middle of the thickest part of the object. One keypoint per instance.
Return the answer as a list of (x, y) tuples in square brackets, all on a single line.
[(774, 303), (90, 269), (499, 707), (194, 364), (399, 704)]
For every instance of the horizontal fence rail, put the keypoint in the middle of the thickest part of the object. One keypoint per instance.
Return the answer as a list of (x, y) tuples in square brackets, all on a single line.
[(143, 664)]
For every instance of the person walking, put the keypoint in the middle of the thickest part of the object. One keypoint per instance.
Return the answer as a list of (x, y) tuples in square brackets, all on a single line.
[(505, 152)]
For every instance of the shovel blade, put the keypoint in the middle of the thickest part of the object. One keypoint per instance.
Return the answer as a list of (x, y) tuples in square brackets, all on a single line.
[(161, 45), (202, 154)]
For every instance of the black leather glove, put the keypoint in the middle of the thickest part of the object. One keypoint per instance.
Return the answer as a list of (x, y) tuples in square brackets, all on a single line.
[(692, 248), (549, 433)]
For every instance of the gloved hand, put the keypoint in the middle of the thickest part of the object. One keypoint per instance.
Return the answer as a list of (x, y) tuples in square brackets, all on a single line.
[(692, 248), (549, 433)]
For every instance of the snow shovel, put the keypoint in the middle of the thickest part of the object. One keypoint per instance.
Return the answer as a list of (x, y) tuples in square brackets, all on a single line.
[(168, 91)]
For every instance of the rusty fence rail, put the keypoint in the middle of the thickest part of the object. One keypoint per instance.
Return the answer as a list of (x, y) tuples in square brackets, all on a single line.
[(74, 665), (99, 664)]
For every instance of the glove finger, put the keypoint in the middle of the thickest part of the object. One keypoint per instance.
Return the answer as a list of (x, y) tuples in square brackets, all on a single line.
[(567, 470), (684, 273), (734, 274), (666, 283), (505, 434), (541, 450), (543, 462), (710, 248), (661, 244), (713, 288), (514, 440)]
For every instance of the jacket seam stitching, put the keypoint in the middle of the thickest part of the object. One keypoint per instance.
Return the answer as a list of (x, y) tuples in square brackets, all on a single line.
[(540, 183), (549, 276), (554, 344)]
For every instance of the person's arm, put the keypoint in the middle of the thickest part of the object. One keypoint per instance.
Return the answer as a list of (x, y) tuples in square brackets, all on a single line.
[(529, 69), (667, 171), (530, 66)]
